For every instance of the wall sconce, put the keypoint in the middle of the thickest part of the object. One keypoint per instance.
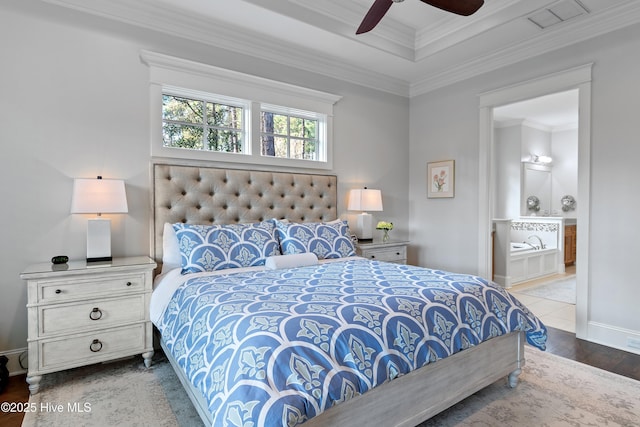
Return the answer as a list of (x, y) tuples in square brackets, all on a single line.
[(364, 200), (98, 196)]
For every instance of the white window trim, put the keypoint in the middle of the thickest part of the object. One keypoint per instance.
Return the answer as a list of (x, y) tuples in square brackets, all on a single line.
[(171, 72), (293, 112), (207, 97)]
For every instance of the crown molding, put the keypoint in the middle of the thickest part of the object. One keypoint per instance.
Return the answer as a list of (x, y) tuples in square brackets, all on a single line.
[(338, 17), (507, 123), (168, 19), (548, 41), (454, 30)]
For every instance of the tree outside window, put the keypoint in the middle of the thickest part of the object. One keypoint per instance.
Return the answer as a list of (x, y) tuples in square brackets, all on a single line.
[(288, 136), (202, 125)]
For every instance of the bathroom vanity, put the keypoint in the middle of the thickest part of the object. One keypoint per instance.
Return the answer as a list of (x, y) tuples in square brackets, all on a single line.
[(570, 233)]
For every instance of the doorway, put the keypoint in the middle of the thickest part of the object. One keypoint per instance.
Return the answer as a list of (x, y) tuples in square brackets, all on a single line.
[(536, 151), (577, 78)]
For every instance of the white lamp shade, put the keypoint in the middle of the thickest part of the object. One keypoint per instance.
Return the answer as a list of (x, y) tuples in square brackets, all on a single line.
[(97, 196), (365, 200)]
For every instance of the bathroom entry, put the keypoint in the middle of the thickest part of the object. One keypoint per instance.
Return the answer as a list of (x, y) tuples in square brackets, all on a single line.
[(535, 162), (580, 78)]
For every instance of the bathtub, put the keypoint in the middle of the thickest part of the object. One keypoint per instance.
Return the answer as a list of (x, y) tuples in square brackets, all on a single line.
[(520, 247), (527, 263)]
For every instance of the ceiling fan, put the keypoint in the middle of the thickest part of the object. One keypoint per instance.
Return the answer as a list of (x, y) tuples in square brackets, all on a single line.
[(380, 8)]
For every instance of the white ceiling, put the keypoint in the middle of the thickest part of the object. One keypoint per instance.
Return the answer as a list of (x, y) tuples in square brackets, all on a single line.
[(416, 48), (555, 111)]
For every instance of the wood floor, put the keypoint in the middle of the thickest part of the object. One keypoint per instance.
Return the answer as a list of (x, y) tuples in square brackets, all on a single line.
[(565, 344), (561, 343)]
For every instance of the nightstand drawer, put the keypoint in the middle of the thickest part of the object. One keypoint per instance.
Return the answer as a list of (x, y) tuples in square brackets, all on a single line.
[(67, 290), (92, 347), (91, 315), (389, 254)]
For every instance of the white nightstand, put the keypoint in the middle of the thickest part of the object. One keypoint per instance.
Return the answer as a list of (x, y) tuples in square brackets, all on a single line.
[(81, 313), (391, 251)]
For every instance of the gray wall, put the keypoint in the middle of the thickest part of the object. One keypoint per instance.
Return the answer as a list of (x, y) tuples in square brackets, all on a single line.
[(445, 125), (74, 102)]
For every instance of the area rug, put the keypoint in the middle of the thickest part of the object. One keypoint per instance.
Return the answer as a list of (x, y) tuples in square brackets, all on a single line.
[(563, 290), (123, 393), (553, 391)]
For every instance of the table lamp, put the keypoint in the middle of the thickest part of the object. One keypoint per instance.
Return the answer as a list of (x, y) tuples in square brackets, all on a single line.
[(98, 196), (364, 200)]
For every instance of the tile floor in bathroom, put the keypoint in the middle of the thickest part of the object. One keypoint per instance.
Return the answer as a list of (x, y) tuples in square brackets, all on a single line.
[(555, 314)]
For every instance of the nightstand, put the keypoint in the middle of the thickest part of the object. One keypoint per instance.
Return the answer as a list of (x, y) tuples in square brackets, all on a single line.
[(391, 251), (82, 313)]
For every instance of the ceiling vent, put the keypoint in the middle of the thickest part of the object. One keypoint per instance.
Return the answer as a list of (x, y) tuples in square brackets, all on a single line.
[(561, 11)]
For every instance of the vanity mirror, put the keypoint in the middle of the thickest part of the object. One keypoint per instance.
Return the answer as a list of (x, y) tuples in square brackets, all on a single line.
[(536, 190)]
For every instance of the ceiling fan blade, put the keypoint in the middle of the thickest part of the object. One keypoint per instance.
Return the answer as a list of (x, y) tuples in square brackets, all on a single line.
[(374, 15), (459, 7)]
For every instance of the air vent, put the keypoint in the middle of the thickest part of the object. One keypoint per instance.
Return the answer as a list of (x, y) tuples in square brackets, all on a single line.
[(561, 11)]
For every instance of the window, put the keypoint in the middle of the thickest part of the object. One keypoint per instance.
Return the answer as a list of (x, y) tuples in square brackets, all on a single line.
[(202, 112), (291, 135), (200, 124)]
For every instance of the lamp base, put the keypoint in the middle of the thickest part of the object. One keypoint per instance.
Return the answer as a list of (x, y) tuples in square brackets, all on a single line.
[(98, 239), (101, 259), (364, 229)]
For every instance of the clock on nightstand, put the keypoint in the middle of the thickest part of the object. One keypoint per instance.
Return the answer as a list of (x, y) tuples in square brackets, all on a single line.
[(81, 313), (391, 251)]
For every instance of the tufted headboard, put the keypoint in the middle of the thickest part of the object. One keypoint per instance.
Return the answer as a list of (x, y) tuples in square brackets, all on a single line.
[(206, 195)]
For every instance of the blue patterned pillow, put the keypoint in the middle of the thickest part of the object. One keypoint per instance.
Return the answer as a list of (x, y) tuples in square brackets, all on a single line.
[(217, 247), (325, 239)]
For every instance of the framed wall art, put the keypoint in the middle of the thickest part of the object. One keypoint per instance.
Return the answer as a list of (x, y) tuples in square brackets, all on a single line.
[(440, 179)]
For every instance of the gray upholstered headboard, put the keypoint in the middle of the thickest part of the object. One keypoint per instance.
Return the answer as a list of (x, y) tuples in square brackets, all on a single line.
[(203, 195)]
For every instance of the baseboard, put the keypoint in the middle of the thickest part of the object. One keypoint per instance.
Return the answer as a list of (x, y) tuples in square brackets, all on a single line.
[(504, 281), (613, 336), (14, 361)]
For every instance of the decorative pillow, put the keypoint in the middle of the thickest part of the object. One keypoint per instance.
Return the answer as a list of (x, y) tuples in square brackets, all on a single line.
[(290, 261), (325, 239), (218, 247), (170, 251)]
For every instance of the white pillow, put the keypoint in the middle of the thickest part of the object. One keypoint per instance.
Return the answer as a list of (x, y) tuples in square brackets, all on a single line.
[(170, 249), (291, 261)]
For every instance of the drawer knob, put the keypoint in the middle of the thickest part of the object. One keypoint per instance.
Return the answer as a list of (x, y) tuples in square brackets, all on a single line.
[(96, 314), (129, 283), (95, 346), (58, 291), (373, 256)]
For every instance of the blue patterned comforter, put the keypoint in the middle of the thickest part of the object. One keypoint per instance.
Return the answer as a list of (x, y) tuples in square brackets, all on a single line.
[(277, 347)]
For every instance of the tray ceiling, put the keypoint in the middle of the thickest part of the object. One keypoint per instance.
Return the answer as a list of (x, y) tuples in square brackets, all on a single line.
[(416, 48)]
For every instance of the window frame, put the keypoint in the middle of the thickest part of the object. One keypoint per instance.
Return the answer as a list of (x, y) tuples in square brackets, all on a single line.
[(181, 77), (205, 98), (320, 139)]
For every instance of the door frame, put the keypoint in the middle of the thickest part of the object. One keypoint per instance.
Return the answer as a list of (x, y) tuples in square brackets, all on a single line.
[(574, 78)]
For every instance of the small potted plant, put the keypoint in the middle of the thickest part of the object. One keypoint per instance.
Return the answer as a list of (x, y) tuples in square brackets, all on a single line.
[(386, 227)]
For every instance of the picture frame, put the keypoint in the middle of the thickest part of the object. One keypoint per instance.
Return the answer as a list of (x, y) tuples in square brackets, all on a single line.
[(441, 179)]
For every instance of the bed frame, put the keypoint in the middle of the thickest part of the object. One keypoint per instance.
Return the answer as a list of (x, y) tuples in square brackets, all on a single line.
[(205, 195)]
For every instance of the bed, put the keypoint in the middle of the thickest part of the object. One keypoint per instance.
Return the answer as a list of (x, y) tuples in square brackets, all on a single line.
[(357, 356)]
